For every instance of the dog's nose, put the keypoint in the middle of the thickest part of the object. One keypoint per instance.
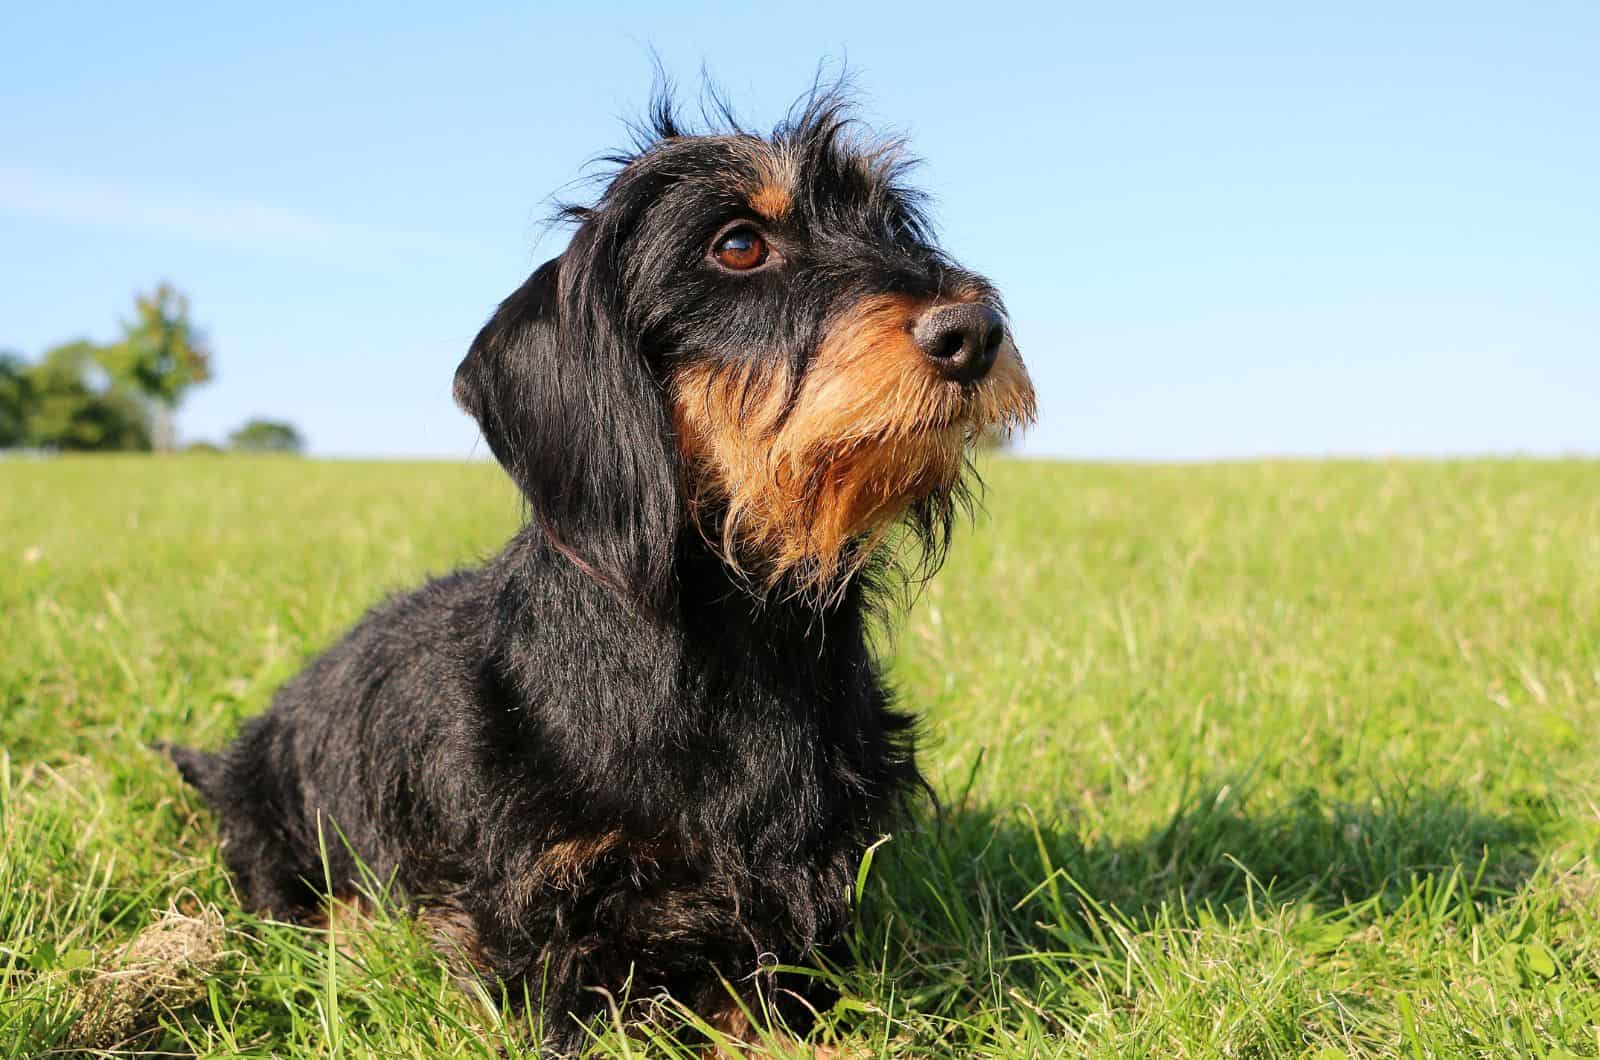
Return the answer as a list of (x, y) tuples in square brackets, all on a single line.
[(961, 340)]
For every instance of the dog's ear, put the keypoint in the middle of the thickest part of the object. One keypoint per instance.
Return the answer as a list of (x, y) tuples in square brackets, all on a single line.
[(574, 414)]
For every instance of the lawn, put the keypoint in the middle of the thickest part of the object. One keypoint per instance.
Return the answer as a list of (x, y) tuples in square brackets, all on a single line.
[(1255, 760)]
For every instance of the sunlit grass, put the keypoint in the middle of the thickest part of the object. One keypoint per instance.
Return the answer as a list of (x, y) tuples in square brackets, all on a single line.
[(1256, 760)]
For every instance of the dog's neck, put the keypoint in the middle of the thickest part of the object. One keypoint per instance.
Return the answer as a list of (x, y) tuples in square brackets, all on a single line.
[(662, 712)]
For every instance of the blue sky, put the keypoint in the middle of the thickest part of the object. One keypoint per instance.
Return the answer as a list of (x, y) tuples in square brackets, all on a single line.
[(1245, 230)]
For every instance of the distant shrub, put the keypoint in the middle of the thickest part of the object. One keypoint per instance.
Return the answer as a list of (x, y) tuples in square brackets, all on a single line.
[(266, 436)]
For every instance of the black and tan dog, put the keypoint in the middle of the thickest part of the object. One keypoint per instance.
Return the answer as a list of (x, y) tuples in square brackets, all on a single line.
[(643, 748)]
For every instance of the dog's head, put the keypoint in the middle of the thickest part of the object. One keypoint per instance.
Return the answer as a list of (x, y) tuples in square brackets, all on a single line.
[(754, 338)]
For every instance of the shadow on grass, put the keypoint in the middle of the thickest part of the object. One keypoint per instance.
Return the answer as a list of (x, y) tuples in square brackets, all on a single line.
[(993, 930), (976, 867)]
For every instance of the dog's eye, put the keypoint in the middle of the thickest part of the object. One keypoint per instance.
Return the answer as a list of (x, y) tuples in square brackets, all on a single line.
[(741, 249)]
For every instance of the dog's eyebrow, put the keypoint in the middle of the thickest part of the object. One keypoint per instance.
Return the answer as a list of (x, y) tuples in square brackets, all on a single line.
[(771, 200)]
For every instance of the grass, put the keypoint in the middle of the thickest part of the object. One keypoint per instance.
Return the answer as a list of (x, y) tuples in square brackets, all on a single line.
[(1254, 760)]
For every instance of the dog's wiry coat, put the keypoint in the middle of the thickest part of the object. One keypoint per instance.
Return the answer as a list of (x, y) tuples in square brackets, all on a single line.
[(646, 744)]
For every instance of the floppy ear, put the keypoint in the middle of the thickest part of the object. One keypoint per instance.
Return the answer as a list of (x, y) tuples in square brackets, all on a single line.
[(574, 415)]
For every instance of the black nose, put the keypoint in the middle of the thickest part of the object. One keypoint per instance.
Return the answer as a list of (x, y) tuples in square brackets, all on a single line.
[(961, 340)]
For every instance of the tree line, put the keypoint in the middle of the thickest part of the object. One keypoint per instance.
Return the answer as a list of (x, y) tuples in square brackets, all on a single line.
[(82, 396)]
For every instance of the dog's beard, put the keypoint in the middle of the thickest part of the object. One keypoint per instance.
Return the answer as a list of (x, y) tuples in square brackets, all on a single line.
[(802, 486)]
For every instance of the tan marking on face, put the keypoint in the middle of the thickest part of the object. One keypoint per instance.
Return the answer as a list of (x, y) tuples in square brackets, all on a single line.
[(872, 429), (771, 200), (771, 193)]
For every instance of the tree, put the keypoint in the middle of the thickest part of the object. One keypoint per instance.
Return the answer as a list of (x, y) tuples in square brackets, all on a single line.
[(75, 404), (161, 355), (266, 436), (16, 400)]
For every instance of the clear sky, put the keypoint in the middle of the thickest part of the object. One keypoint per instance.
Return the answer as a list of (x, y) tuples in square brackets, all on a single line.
[(1222, 229)]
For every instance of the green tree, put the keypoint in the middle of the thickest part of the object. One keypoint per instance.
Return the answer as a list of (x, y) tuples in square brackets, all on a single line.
[(161, 355), (16, 400), (75, 404), (266, 436)]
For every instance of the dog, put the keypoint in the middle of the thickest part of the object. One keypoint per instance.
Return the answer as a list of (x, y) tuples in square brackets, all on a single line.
[(642, 750)]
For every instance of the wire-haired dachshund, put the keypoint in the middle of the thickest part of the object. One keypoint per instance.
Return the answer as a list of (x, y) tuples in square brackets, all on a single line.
[(644, 747)]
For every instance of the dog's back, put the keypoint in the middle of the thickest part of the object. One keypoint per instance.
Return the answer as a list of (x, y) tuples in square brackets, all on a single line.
[(319, 782)]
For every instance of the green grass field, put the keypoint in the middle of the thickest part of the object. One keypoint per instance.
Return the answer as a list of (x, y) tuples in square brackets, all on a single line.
[(1251, 761)]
